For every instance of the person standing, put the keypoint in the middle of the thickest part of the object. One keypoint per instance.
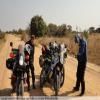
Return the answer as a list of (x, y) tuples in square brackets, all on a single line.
[(82, 61), (30, 48)]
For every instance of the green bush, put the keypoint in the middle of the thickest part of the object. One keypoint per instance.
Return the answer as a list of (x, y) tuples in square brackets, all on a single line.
[(38, 26)]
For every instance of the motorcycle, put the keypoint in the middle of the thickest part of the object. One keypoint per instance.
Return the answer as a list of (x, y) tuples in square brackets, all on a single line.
[(52, 72), (20, 79), (18, 68)]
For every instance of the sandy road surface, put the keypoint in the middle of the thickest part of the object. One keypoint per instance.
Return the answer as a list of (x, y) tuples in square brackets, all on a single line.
[(92, 76)]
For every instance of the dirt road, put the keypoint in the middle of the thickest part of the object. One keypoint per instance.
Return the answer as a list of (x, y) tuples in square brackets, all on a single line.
[(92, 75)]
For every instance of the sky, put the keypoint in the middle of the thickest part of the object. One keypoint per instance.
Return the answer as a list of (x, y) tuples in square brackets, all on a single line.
[(15, 14)]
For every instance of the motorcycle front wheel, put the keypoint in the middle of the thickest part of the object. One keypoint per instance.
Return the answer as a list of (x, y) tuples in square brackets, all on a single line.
[(56, 82), (62, 76), (42, 78), (20, 88)]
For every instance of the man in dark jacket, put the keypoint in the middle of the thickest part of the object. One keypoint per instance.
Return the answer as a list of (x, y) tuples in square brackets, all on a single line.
[(30, 49), (82, 60)]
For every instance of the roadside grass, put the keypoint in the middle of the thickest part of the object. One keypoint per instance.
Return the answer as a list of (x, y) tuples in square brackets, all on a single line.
[(2, 40), (94, 49), (93, 46)]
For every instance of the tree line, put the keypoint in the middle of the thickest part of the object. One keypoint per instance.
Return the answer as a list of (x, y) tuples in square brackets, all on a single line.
[(39, 28), (19, 31), (94, 30)]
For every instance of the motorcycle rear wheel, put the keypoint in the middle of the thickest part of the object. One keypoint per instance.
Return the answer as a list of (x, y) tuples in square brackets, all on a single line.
[(42, 78), (20, 88), (62, 76), (56, 82)]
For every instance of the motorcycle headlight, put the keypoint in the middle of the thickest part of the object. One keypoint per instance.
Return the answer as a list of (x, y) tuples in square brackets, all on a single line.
[(21, 62)]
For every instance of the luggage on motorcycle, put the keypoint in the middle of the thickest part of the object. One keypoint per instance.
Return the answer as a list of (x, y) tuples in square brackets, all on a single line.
[(13, 53), (10, 63)]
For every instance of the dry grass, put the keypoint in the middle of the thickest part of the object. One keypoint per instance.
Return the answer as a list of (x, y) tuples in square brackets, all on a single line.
[(93, 46), (1, 44), (2, 40), (69, 41)]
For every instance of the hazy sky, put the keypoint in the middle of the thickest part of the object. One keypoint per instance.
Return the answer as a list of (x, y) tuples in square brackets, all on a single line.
[(16, 14)]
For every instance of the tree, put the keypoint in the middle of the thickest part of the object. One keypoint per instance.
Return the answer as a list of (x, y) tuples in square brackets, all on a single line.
[(38, 26), (20, 31), (14, 31), (52, 29), (69, 28), (62, 30), (91, 29), (98, 30)]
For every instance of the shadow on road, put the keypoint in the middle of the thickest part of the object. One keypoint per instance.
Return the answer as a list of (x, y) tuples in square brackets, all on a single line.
[(5, 92), (67, 93), (38, 91)]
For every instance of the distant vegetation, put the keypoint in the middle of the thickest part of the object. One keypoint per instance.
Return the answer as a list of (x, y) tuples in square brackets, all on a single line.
[(94, 30), (18, 32), (39, 28)]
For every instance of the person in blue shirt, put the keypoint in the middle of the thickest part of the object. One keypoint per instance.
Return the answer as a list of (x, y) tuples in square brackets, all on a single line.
[(82, 60)]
